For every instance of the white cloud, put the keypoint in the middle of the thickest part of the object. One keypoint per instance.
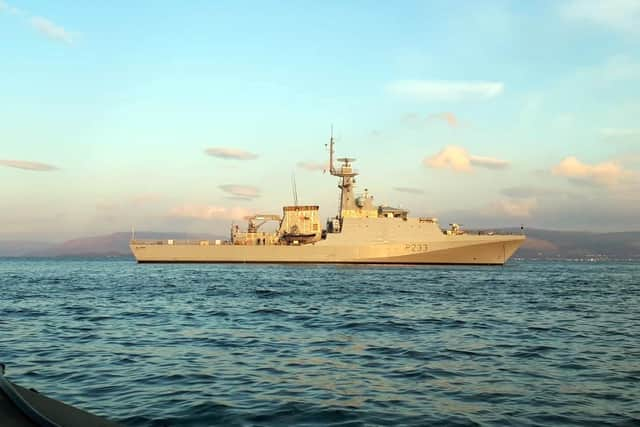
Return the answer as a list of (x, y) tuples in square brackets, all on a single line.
[(451, 157), (489, 162), (206, 212), (459, 159), (443, 90), (605, 173), (520, 208), (51, 30), (619, 15), (230, 153), (241, 191), (22, 164)]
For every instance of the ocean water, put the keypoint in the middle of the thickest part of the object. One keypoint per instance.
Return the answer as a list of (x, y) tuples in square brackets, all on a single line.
[(531, 343)]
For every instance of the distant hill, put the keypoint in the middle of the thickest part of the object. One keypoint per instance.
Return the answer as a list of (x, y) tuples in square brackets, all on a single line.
[(13, 248), (540, 244), (115, 244), (549, 244)]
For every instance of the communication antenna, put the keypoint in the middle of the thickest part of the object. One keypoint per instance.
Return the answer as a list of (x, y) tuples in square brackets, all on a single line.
[(133, 233), (294, 189)]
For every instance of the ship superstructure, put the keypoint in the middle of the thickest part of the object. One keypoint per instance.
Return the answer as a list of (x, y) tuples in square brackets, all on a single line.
[(359, 233)]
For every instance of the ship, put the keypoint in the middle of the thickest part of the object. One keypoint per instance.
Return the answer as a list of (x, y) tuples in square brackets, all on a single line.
[(361, 233)]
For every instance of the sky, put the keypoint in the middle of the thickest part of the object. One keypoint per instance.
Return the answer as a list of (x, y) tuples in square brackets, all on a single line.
[(186, 116)]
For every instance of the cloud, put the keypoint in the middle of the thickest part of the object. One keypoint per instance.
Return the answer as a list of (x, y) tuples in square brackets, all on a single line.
[(603, 211), (206, 212), (443, 90), (452, 157), (459, 159), (245, 192), (449, 118), (620, 135), (230, 153), (409, 190), (32, 166), (631, 160), (51, 30), (618, 15), (605, 173), (44, 26), (489, 162), (311, 166), (520, 208)]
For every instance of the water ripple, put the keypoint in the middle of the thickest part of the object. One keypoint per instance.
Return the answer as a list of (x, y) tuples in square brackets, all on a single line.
[(533, 343)]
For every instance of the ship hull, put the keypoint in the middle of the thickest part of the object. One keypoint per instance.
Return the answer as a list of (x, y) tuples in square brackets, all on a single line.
[(488, 250)]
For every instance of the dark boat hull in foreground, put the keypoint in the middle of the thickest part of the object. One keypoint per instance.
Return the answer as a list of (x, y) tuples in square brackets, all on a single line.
[(20, 407)]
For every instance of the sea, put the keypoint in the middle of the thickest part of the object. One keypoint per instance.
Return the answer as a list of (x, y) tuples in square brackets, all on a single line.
[(531, 343)]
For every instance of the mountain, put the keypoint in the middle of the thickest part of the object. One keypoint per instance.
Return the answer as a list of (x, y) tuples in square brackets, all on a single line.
[(13, 248), (115, 244), (551, 244), (540, 244)]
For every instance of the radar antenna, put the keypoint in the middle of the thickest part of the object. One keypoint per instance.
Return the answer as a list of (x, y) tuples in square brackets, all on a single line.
[(347, 175)]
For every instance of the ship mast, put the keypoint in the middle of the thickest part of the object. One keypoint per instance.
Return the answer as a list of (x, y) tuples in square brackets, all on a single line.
[(332, 170), (346, 172), (294, 189)]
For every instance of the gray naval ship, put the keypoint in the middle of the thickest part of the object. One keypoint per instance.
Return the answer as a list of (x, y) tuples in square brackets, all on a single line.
[(361, 233)]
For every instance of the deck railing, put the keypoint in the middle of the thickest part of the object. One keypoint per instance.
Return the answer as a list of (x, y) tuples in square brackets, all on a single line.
[(174, 242)]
